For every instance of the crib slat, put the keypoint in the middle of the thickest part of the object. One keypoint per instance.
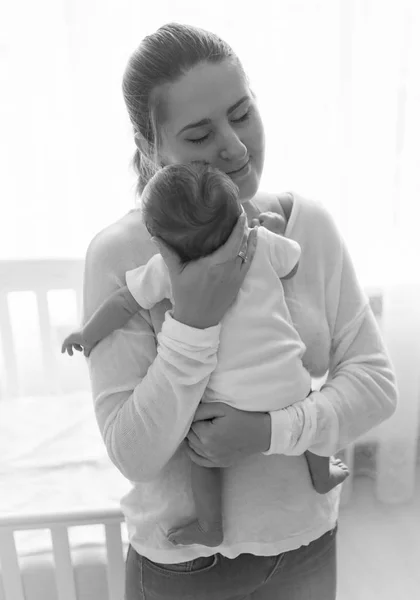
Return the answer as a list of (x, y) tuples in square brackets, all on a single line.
[(115, 571), (47, 344), (63, 566), (9, 350), (10, 572)]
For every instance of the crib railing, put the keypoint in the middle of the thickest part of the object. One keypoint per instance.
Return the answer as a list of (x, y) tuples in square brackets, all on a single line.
[(38, 277), (58, 525)]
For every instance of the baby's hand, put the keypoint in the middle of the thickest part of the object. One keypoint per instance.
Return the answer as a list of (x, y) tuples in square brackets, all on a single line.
[(75, 340), (272, 221)]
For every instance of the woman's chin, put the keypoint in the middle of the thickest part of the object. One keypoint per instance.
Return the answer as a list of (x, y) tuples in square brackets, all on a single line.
[(248, 189), (248, 185)]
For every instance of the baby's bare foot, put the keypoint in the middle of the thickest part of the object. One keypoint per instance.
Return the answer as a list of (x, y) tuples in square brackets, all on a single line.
[(338, 473), (197, 533)]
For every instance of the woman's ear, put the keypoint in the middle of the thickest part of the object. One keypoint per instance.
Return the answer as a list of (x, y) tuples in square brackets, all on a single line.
[(147, 151), (141, 143)]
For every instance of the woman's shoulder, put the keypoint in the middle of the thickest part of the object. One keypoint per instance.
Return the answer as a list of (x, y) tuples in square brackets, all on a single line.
[(121, 246), (298, 211), (313, 215)]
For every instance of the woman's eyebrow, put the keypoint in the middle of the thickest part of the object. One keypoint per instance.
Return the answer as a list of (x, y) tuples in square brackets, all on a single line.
[(208, 121)]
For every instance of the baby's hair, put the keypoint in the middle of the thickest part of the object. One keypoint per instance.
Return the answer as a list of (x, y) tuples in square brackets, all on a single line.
[(193, 208)]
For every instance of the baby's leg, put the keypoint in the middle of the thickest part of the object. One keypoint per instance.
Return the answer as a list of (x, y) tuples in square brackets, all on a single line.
[(208, 528), (325, 472)]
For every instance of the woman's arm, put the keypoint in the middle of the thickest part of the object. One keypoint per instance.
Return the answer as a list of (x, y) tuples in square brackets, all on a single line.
[(359, 394), (146, 391), (360, 391)]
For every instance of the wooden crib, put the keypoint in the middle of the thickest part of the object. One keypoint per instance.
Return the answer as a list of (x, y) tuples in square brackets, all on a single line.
[(41, 277), (58, 525), (389, 452)]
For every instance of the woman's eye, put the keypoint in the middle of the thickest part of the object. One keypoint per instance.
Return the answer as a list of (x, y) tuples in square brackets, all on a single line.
[(244, 117), (200, 140), (240, 119)]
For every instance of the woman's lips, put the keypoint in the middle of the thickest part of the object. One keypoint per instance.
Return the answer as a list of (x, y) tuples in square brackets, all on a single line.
[(241, 170)]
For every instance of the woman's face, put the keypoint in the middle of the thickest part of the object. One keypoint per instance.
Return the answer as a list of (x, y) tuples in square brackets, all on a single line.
[(211, 116)]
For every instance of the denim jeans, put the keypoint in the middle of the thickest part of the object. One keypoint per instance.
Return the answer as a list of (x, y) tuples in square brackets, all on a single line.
[(308, 573)]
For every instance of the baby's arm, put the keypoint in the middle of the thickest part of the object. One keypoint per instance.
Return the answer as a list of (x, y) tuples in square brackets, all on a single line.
[(111, 315), (284, 252), (276, 223)]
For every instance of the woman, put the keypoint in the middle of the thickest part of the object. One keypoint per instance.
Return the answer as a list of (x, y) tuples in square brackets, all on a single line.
[(188, 99)]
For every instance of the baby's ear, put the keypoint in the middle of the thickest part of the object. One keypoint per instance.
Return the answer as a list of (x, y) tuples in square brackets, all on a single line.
[(169, 255)]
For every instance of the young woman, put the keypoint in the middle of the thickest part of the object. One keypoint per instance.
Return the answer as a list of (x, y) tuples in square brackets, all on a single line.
[(189, 100)]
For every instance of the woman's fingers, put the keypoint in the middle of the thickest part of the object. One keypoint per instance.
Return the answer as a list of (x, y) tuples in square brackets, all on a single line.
[(209, 410), (249, 250), (199, 460), (194, 442), (233, 245), (252, 242), (195, 447)]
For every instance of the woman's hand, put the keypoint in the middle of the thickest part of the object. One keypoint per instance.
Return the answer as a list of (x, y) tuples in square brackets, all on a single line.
[(204, 289), (221, 435)]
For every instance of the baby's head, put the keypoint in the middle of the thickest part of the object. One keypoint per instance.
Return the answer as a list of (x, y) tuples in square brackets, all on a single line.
[(193, 208)]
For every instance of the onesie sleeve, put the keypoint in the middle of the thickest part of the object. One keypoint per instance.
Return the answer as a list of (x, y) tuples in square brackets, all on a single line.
[(284, 252), (150, 283)]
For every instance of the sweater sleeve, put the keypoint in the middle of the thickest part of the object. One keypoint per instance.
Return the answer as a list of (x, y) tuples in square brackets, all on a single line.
[(146, 389), (360, 391)]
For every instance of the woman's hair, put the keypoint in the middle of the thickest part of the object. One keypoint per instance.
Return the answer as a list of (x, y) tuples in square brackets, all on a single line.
[(193, 208), (162, 58)]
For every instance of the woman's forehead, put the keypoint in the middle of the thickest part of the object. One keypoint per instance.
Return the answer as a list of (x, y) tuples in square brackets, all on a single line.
[(207, 91)]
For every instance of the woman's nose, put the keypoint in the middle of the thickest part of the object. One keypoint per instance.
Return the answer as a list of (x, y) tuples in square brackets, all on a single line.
[(232, 148)]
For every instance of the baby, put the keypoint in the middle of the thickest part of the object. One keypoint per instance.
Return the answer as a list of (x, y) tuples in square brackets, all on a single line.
[(194, 208)]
